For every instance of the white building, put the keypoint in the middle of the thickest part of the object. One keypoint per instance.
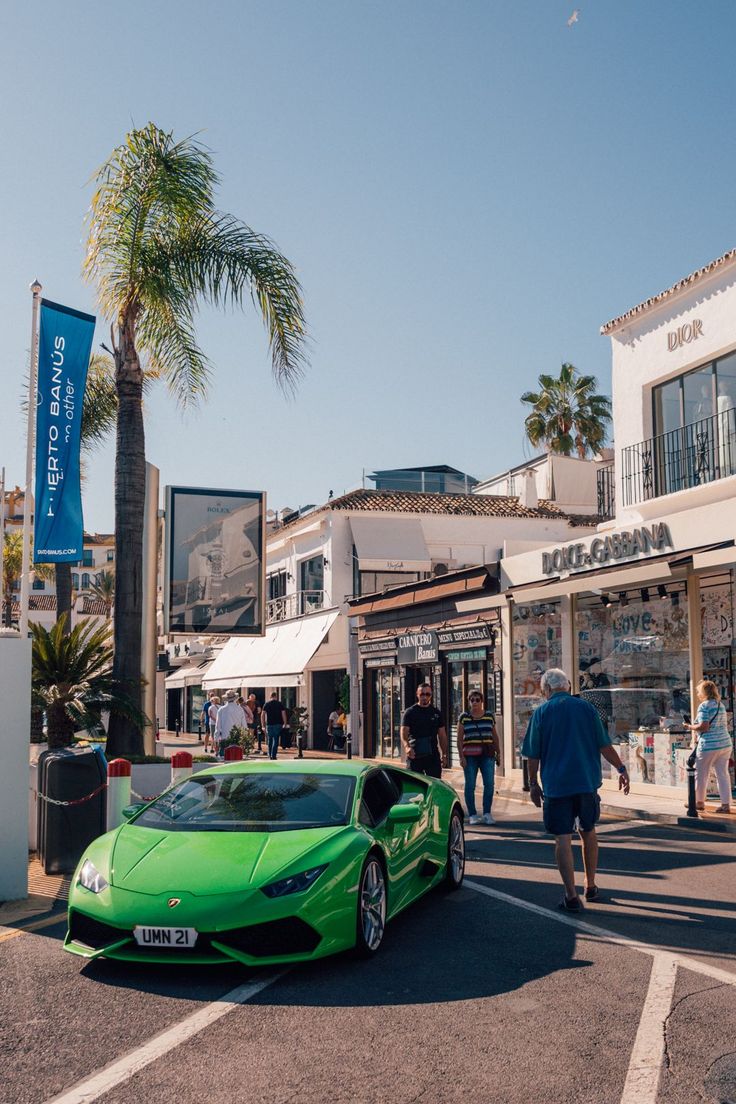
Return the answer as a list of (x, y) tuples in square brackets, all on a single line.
[(644, 609), (362, 543)]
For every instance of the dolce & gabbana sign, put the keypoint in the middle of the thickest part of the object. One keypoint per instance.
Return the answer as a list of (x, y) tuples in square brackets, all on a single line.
[(627, 545), (418, 647)]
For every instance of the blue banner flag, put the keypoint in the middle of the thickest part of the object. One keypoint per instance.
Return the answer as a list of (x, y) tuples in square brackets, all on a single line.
[(64, 346)]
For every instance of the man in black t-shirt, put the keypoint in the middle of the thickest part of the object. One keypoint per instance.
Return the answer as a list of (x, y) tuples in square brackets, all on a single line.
[(276, 720), (423, 735)]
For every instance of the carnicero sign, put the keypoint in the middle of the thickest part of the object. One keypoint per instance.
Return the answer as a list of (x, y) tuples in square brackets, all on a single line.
[(418, 647), (627, 545)]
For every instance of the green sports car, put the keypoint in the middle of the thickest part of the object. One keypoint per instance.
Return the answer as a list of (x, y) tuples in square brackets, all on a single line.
[(264, 862)]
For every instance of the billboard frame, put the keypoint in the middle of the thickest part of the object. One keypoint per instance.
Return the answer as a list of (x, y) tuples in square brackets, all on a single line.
[(171, 493)]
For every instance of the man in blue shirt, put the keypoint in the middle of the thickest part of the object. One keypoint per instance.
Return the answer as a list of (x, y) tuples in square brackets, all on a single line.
[(566, 739)]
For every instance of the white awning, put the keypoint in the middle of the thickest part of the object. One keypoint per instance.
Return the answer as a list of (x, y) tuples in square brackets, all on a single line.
[(188, 675), (276, 659), (390, 544)]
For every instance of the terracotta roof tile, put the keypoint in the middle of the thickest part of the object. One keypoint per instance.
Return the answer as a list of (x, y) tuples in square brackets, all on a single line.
[(422, 502), (687, 281)]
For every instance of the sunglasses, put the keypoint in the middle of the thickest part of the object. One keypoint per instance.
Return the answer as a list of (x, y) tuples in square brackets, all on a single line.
[(474, 697)]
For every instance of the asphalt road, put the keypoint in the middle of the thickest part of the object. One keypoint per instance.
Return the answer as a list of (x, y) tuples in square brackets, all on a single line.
[(487, 995)]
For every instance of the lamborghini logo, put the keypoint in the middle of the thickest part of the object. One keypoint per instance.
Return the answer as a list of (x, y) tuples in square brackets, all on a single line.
[(174, 901)]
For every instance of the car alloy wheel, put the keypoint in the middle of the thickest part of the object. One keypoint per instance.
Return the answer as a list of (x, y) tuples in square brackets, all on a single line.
[(455, 852), (371, 907)]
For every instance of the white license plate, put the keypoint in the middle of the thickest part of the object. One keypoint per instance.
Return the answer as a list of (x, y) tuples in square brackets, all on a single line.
[(165, 937)]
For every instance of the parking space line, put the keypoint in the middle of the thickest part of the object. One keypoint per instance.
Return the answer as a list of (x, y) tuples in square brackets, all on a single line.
[(645, 1065), (605, 934), (126, 1067)]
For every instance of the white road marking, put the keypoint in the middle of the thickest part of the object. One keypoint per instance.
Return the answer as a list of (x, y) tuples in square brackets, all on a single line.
[(125, 1068), (645, 1066), (605, 935)]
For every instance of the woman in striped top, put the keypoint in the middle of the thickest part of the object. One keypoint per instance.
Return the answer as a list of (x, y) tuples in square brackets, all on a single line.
[(477, 746), (714, 745)]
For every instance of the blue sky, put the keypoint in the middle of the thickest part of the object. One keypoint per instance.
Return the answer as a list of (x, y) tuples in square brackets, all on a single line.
[(467, 190)]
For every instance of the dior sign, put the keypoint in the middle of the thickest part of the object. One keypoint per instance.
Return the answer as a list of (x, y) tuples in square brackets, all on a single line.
[(683, 335), (604, 550)]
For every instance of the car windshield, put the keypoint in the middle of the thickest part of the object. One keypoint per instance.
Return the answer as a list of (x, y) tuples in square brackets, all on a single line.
[(256, 802)]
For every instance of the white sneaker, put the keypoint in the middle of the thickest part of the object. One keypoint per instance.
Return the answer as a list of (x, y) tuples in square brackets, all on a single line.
[(474, 820), (488, 819)]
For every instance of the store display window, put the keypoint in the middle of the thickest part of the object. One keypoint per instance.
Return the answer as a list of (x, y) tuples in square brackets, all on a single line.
[(536, 646), (634, 667)]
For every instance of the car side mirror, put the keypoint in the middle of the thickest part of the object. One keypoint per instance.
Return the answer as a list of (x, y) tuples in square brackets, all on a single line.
[(130, 810), (405, 814)]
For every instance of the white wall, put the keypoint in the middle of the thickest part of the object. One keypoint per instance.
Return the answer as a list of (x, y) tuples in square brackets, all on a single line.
[(15, 694), (642, 357)]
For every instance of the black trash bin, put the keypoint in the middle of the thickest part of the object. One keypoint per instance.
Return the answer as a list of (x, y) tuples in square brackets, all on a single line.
[(64, 830)]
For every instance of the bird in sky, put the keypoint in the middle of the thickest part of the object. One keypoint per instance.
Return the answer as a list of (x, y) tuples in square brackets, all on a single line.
[(574, 17)]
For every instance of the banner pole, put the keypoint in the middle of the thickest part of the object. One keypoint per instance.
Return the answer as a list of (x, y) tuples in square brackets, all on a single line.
[(25, 578)]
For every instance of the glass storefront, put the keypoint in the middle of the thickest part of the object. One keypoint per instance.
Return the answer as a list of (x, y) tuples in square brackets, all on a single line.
[(634, 667), (386, 712), (633, 653), (536, 645)]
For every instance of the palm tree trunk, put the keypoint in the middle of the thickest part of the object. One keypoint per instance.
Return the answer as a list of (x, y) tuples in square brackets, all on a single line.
[(63, 578), (130, 491), (60, 732)]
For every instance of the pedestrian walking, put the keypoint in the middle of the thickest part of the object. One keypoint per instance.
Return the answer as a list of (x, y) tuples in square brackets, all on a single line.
[(477, 748), (214, 705), (254, 724), (228, 715), (713, 745), (423, 735), (206, 719), (565, 739), (276, 721)]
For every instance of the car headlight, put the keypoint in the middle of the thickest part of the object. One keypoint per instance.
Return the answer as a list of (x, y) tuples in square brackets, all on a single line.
[(91, 879), (295, 884)]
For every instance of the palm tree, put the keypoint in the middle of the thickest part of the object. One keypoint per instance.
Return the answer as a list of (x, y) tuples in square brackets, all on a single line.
[(567, 414), (12, 568), (104, 589), (72, 680), (157, 249)]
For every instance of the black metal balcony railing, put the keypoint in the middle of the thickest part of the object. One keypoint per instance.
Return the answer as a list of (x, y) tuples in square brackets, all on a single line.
[(606, 491), (687, 457), (295, 605)]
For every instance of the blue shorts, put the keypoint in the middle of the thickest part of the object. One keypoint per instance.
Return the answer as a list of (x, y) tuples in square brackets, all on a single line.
[(560, 813)]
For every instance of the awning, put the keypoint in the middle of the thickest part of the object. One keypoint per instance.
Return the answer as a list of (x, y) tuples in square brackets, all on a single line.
[(276, 659), (390, 544), (188, 675)]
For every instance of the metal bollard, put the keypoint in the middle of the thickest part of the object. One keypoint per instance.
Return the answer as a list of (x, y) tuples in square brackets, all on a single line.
[(349, 746), (300, 745), (177, 727), (199, 732), (691, 809), (525, 775)]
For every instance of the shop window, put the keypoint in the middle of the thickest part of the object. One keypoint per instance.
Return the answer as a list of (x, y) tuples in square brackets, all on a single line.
[(634, 668), (536, 646)]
